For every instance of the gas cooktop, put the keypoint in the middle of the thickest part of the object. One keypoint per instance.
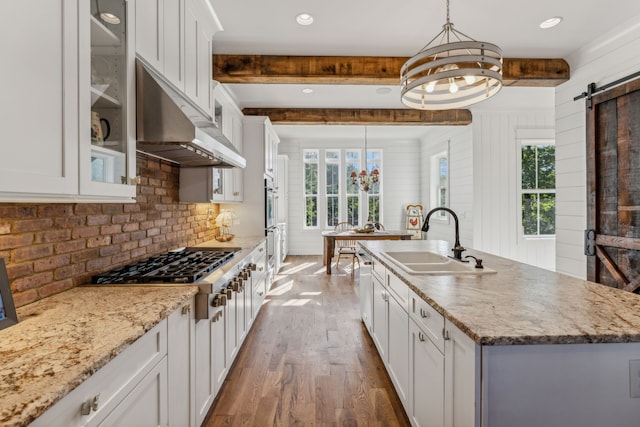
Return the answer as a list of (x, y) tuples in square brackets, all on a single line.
[(186, 266)]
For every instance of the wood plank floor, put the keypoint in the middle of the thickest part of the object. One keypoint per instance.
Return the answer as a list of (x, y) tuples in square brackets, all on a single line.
[(308, 360)]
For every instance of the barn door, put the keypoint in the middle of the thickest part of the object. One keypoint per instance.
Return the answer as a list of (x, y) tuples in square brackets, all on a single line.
[(612, 240)]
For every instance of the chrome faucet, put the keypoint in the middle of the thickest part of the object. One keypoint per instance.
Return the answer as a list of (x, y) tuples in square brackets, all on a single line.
[(457, 248)]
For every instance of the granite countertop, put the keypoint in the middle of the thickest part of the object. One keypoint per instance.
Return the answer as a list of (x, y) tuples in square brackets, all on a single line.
[(520, 304), (63, 339)]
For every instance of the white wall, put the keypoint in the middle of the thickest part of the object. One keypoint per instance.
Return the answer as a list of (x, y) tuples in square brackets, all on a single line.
[(611, 57), (495, 175), (400, 186), (458, 140)]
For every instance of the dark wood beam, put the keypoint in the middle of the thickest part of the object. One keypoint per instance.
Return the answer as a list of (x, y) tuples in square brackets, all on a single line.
[(362, 116), (365, 70)]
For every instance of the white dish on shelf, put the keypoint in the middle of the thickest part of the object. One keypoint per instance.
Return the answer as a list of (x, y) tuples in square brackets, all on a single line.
[(97, 92)]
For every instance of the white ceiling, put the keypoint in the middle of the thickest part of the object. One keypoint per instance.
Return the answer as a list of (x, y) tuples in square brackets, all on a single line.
[(386, 28)]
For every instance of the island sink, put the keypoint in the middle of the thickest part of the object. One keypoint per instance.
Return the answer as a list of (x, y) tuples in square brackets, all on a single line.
[(426, 262)]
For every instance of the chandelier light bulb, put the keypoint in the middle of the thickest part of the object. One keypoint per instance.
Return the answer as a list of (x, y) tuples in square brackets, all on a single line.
[(470, 79), (453, 87), (430, 86)]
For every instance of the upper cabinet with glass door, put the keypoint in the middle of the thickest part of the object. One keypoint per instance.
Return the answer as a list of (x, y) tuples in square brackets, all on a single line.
[(107, 149), (69, 66)]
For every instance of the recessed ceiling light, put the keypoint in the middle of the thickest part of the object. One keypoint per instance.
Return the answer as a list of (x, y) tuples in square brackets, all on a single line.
[(551, 22), (383, 90), (307, 90), (304, 19)]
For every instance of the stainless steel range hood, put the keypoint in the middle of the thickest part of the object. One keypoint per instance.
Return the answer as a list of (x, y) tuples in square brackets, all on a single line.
[(172, 127)]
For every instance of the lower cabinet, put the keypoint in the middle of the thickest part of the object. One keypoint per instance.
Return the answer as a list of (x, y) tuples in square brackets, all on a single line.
[(433, 366), (181, 365), (204, 379), (426, 380), (131, 386), (144, 405), (380, 321), (398, 351)]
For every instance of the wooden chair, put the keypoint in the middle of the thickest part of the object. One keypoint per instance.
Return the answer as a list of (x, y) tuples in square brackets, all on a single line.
[(346, 247)]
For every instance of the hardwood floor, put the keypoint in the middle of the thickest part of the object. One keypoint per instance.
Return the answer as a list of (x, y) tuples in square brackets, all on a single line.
[(308, 360)]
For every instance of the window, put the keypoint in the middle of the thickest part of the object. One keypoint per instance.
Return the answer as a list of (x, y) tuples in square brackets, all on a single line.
[(352, 190), (310, 161), (329, 171), (374, 158), (332, 181), (538, 186), (440, 183)]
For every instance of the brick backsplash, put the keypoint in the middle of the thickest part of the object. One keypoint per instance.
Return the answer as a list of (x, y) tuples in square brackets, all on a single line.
[(49, 248)]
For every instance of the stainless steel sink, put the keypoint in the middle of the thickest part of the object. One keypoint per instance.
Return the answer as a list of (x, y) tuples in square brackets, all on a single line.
[(425, 262)]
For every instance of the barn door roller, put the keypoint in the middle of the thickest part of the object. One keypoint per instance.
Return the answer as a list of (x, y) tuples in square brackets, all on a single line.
[(590, 242), (592, 89)]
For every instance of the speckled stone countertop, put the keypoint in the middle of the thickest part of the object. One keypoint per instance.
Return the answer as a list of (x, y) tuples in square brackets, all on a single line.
[(62, 340), (520, 304)]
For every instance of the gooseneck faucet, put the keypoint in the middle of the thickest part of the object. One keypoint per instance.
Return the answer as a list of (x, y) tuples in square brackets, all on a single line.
[(457, 247)]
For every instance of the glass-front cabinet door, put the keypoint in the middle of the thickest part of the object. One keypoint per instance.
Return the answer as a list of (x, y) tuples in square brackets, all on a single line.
[(107, 141)]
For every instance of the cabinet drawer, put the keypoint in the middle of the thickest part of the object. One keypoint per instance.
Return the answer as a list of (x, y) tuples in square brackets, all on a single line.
[(110, 384), (428, 319), (399, 289)]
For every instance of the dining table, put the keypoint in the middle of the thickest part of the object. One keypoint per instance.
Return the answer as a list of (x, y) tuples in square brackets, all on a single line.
[(330, 238)]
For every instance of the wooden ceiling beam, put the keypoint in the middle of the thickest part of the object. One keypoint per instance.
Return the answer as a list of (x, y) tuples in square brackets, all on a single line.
[(365, 70), (362, 116)]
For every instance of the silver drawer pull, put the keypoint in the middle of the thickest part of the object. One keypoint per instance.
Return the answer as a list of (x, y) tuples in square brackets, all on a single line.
[(424, 313), (186, 309), (421, 336), (90, 405)]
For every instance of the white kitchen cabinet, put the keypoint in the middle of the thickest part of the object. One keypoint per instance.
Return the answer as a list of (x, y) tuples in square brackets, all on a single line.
[(160, 37), (217, 185), (398, 348), (199, 28), (380, 322), (90, 81), (218, 348), (229, 117), (426, 380), (365, 290), (259, 278), (181, 365), (132, 386), (271, 150), (205, 390), (433, 366), (232, 326), (144, 406), (461, 378), (40, 133), (175, 37)]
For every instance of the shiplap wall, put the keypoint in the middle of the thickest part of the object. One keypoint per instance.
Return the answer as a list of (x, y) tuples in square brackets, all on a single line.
[(401, 186), (495, 154), (611, 57), (458, 140)]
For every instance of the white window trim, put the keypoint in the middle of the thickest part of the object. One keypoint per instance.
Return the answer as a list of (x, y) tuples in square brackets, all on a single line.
[(529, 137), (304, 194), (433, 181)]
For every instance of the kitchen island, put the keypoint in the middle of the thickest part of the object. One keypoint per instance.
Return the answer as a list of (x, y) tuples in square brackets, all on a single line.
[(540, 348)]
